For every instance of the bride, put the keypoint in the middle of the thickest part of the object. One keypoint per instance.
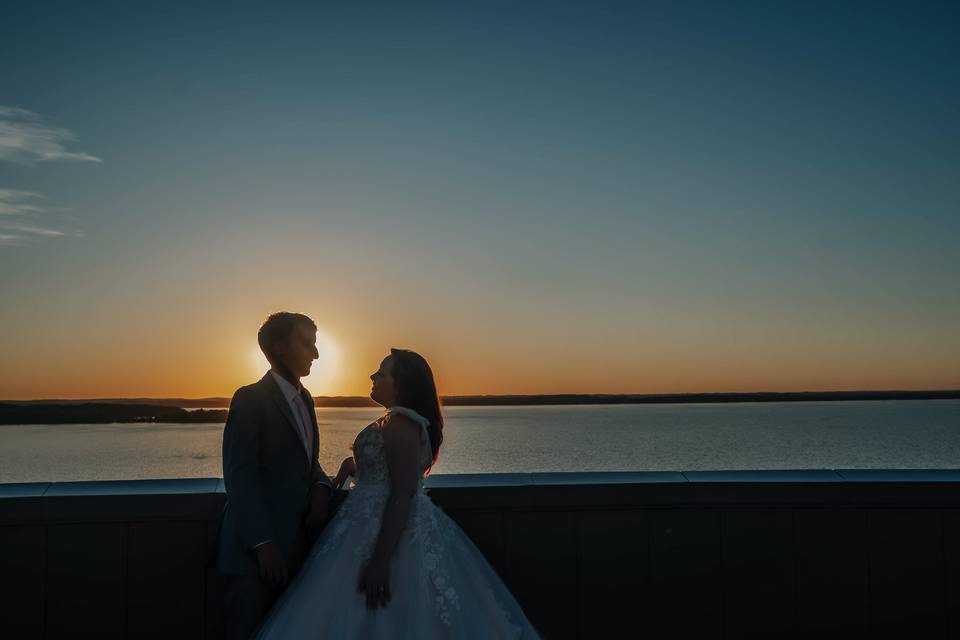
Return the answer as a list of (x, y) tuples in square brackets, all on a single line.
[(390, 564)]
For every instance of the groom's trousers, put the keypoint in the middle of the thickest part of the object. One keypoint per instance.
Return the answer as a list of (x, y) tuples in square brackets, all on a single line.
[(247, 599)]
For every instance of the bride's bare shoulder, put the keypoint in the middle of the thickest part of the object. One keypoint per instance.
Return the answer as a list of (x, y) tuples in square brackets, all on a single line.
[(397, 426)]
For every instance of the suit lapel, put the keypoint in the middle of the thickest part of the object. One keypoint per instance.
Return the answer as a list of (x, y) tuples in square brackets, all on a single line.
[(276, 394), (312, 412)]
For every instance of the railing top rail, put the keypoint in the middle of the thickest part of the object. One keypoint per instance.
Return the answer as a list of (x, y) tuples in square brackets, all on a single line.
[(506, 480)]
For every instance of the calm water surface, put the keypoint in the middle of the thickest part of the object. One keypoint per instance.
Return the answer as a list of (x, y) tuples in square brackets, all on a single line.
[(801, 435)]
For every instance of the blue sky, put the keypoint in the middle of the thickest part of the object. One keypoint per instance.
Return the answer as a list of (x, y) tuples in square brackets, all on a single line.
[(547, 197)]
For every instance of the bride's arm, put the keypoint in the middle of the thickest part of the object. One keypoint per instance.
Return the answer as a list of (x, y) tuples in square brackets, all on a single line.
[(401, 437), (402, 442)]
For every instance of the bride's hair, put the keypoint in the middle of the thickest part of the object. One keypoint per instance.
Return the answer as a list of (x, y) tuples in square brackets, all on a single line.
[(416, 390)]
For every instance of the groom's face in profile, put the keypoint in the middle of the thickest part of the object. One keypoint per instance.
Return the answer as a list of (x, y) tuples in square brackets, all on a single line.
[(299, 350)]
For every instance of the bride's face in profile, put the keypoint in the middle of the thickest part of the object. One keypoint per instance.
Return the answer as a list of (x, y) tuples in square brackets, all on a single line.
[(384, 391)]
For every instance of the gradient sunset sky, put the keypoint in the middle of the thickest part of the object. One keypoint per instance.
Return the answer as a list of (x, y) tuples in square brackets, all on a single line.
[(634, 197)]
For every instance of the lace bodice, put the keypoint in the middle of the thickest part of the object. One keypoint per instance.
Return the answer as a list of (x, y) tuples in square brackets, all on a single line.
[(370, 454)]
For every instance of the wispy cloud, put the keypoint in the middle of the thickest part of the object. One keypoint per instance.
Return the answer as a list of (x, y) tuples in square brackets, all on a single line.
[(25, 138), (12, 234), (16, 203), (21, 221), (30, 230)]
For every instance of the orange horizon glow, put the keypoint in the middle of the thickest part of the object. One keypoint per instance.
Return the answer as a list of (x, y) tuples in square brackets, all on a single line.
[(176, 342), (180, 370)]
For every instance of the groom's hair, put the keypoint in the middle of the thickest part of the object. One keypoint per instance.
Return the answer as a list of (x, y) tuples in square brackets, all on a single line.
[(277, 328)]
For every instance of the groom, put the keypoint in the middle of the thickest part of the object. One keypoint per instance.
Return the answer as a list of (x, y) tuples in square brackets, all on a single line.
[(276, 490)]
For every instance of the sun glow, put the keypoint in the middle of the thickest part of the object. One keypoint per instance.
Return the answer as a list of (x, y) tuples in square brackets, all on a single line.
[(322, 373)]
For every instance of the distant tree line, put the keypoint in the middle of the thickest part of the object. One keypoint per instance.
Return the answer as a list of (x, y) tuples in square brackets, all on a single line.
[(165, 410), (103, 413)]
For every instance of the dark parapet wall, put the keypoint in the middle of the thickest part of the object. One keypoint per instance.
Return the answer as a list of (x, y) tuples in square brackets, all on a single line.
[(733, 554)]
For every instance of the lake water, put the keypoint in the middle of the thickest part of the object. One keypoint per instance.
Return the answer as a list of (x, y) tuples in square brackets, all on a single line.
[(790, 435)]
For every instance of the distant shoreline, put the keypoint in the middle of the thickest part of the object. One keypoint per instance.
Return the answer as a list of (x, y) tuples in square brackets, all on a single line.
[(208, 410)]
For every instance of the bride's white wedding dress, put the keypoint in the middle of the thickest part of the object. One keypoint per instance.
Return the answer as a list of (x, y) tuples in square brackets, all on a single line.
[(441, 585)]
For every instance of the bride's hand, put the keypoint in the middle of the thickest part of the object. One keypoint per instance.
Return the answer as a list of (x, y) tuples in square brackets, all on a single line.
[(375, 581), (347, 468)]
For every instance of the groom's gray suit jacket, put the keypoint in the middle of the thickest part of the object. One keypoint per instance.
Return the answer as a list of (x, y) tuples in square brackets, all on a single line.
[(267, 475)]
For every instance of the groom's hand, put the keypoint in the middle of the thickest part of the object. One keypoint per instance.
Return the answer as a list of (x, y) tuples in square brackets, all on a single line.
[(319, 506), (273, 569)]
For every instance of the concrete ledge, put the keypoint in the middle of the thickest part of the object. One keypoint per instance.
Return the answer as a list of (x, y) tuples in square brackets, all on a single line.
[(900, 475), (772, 476), (198, 499), (606, 478), (179, 486), (195, 497), (24, 490), (477, 480), (184, 486), (22, 502)]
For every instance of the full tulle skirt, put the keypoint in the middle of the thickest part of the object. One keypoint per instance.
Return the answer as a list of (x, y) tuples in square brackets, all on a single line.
[(441, 585)]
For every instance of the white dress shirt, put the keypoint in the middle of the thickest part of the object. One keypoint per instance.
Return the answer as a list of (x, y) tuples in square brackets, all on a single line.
[(299, 409)]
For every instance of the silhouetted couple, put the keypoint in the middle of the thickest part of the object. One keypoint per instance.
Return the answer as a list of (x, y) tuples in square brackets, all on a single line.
[(388, 563)]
